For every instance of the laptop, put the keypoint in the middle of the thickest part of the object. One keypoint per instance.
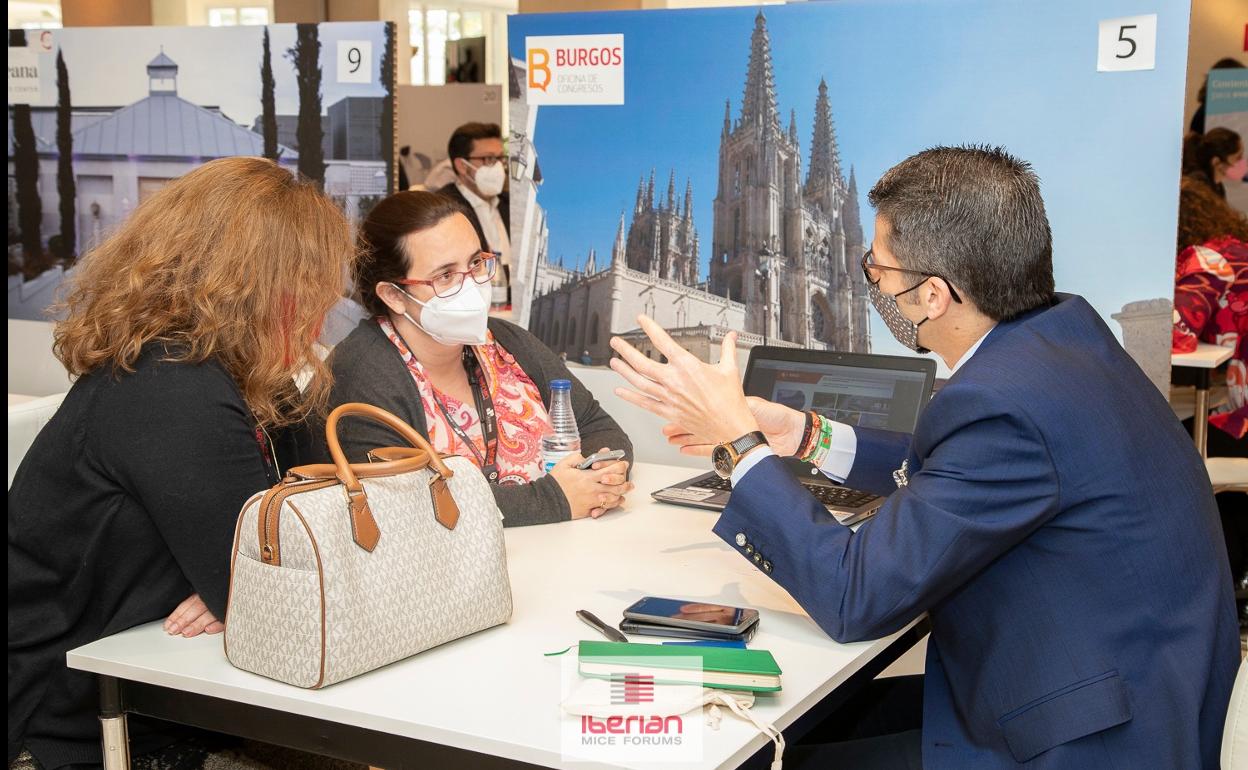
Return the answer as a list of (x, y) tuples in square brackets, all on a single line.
[(872, 391)]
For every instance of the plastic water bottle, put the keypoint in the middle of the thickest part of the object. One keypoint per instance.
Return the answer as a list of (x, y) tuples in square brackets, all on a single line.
[(562, 438)]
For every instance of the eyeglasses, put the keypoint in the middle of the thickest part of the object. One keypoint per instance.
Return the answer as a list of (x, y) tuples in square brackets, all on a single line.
[(871, 271), (488, 160), (449, 282)]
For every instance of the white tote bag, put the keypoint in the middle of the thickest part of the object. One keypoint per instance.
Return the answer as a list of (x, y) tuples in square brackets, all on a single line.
[(341, 569)]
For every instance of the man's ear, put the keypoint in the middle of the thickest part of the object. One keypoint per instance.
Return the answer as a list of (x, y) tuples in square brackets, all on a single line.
[(936, 297)]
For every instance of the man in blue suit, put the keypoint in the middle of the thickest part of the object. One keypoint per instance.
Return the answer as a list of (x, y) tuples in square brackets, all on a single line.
[(1049, 513)]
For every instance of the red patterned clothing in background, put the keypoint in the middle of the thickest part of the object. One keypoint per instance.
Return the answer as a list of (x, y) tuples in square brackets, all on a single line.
[(522, 417), (1211, 305)]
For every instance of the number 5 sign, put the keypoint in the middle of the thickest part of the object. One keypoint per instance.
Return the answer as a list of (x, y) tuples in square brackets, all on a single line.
[(355, 61), (1128, 43)]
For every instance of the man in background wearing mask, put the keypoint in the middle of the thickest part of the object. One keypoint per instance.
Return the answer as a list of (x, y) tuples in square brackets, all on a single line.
[(1049, 513), (476, 154)]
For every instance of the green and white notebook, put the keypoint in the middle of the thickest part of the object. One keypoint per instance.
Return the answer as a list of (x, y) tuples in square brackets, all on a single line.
[(724, 668)]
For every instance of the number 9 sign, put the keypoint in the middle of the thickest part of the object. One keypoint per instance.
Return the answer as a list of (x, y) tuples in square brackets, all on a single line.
[(1128, 43), (355, 61)]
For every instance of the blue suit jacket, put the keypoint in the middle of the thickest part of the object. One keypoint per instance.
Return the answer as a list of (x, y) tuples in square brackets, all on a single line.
[(1059, 527)]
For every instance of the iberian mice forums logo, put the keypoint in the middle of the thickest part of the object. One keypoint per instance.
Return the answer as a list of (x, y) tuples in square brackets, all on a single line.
[(621, 710)]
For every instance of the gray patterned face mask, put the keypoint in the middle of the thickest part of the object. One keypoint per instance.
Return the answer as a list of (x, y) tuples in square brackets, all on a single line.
[(905, 330)]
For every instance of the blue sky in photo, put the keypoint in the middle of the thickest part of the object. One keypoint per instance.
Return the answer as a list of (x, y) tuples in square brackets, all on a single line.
[(217, 66), (902, 76)]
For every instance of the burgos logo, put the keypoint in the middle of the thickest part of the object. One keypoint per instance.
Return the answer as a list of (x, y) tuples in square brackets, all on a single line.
[(575, 69)]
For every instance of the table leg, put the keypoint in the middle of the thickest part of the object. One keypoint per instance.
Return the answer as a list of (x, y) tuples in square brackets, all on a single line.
[(113, 732), (1200, 421)]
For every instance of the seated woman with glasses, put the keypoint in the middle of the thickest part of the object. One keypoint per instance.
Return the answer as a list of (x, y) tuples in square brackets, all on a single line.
[(473, 385)]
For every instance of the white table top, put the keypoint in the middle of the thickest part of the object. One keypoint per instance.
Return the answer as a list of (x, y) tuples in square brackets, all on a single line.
[(17, 398), (494, 692), (1205, 356)]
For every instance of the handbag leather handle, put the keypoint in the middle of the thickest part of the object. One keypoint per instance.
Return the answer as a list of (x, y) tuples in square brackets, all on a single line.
[(364, 527), (345, 474)]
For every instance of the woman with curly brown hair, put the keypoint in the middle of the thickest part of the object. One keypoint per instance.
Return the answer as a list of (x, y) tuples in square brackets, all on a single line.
[(184, 330)]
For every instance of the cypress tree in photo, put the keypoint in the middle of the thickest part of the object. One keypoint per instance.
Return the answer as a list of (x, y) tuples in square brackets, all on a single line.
[(65, 187), (306, 56), (26, 172), (268, 119)]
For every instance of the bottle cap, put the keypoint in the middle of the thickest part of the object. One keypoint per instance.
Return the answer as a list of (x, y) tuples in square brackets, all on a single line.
[(561, 385)]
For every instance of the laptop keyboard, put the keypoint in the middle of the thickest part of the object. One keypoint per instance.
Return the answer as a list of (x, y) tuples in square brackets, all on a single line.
[(840, 497)]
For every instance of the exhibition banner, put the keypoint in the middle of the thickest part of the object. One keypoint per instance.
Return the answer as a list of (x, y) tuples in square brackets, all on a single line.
[(1226, 106), (100, 118), (727, 187)]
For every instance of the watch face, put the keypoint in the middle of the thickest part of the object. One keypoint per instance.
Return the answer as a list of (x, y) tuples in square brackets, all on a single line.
[(722, 459)]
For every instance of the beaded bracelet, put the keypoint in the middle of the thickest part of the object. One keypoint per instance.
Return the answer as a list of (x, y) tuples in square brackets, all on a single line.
[(804, 445), (823, 444)]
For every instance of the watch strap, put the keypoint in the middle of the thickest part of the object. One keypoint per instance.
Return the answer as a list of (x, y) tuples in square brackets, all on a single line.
[(747, 442)]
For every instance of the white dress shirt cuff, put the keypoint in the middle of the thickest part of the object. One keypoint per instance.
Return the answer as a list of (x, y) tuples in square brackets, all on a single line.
[(749, 461), (840, 458)]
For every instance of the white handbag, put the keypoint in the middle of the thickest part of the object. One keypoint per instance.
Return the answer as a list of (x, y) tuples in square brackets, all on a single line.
[(341, 569)]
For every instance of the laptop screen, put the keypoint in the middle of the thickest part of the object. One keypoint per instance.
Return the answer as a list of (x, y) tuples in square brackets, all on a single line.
[(888, 398)]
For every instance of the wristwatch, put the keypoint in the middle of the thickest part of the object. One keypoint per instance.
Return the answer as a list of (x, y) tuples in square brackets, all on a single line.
[(725, 456)]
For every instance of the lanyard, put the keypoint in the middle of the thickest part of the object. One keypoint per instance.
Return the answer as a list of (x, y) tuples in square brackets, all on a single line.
[(485, 411)]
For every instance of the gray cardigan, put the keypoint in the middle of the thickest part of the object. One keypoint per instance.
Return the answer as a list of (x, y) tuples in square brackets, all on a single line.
[(368, 368)]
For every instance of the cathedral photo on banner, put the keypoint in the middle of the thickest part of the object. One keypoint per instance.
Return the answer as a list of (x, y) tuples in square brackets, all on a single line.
[(786, 238), (729, 190)]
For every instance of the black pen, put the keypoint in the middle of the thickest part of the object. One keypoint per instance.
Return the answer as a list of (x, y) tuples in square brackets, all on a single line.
[(592, 620)]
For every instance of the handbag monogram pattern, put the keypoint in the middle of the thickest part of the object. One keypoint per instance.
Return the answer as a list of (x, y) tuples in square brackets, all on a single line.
[(342, 569)]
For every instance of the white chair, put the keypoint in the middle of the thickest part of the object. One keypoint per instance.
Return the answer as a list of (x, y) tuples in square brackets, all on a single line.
[(25, 422), (1227, 474), (1235, 734)]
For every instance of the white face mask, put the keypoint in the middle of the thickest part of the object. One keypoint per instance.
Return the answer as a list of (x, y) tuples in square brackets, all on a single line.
[(490, 179), (457, 320)]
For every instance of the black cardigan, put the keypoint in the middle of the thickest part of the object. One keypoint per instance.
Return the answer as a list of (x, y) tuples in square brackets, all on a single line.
[(369, 369), (124, 505)]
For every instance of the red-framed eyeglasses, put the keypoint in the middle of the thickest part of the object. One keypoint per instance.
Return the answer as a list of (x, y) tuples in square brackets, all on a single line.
[(481, 269)]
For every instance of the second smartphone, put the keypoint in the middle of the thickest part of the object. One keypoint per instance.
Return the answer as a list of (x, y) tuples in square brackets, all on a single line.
[(637, 628), (699, 616)]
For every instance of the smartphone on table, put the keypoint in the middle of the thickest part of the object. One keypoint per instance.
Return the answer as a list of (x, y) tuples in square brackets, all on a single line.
[(599, 457), (637, 628), (697, 616)]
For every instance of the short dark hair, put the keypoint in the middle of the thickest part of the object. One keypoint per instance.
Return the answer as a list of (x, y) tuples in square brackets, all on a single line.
[(460, 145), (974, 216), (1199, 150), (382, 256), (1227, 63)]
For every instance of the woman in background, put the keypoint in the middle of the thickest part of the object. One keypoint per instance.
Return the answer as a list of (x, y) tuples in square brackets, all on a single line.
[(1211, 300), (1213, 157), (184, 330), (473, 385)]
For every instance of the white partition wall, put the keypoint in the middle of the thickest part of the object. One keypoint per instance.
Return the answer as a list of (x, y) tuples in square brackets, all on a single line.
[(33, 370)]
